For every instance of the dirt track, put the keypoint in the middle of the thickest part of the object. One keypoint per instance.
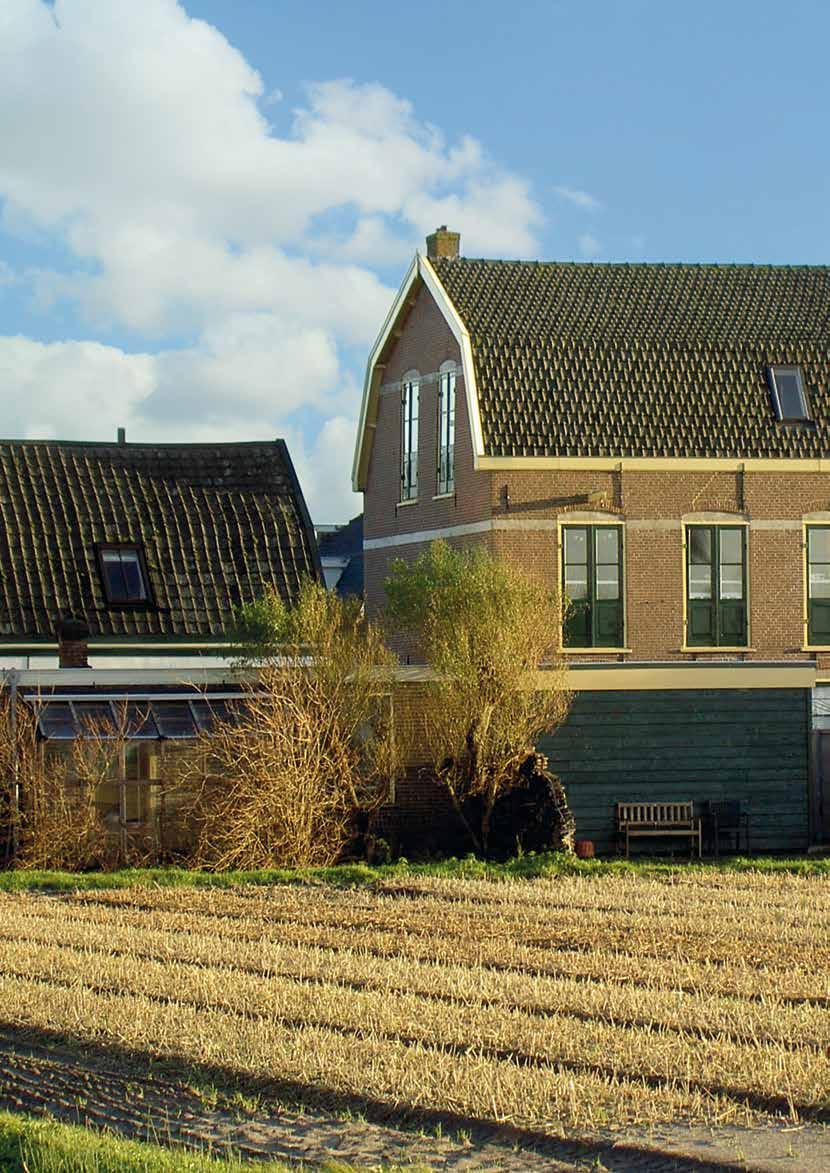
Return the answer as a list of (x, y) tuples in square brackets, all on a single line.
[(90, 1089)]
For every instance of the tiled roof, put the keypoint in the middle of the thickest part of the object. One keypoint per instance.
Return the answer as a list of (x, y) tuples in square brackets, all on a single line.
[(217, 522), (642, 360), (346, 542)]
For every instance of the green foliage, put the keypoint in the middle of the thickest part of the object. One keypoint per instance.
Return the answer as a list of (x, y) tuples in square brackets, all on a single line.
[(42, 1146), (467, 608), (358, 875), (266, 630), (484, 629), (30, 1145)]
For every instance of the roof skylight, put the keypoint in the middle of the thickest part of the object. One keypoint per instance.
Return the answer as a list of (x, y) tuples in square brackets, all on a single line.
[(788, 394), (123, 574)]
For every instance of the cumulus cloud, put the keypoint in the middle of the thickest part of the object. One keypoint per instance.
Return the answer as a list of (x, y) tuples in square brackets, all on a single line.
[(135, 137), (580, 199), (86, 390)]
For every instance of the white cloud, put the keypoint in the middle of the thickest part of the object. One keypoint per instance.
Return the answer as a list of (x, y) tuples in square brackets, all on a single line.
[(589, 246), (580, 199), (137, 139), (228, 389)]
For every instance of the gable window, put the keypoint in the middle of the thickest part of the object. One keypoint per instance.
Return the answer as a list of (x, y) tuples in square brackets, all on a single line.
[(592, 582), (409, 440), (446, 429), (123, 574), (788, 395), (818, 585), (716, 586)]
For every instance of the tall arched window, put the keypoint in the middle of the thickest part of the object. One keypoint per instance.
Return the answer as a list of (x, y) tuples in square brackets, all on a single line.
[(409, 437), (446, 428)]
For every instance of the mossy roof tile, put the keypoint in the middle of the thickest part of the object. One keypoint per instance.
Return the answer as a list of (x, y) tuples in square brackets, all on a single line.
[(217, 523), (642, 360)]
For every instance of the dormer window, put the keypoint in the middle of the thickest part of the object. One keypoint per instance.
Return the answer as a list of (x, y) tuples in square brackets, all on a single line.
[(123, 574), (787, 386)]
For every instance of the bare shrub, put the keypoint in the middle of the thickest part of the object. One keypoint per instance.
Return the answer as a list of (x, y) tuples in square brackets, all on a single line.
[(64, 801), (311, 748)]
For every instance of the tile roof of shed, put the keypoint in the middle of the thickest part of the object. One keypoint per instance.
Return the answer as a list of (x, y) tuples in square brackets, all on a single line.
[(217, 523), (642, 360)]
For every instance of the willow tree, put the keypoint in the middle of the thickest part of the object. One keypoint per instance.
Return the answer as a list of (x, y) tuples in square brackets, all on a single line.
[(285, 779), (484, 630)]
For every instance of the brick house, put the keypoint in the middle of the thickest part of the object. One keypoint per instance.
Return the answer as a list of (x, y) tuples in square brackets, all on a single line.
[(121, 566), (654, 442)]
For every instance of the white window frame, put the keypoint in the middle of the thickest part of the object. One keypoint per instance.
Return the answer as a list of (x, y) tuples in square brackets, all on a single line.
[(445, 463), (410, 394), (774, 370)]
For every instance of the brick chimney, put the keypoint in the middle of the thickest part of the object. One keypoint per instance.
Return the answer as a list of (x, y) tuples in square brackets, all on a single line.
[(73, 641), (442, 243)]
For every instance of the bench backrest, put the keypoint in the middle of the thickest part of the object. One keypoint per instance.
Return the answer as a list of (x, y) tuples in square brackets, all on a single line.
[(631, 813)]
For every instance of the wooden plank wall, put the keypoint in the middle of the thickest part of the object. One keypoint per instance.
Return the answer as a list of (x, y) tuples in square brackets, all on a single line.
[(687, 744)]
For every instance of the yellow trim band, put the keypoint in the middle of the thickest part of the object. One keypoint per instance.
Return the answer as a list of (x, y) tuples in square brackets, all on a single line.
[(778, 464)]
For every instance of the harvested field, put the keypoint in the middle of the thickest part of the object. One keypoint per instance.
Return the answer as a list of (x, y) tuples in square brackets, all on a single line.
[(573, 1004)]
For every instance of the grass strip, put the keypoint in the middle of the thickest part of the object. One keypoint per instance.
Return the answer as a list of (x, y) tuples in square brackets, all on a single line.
[(357, 875), (38, 1145)]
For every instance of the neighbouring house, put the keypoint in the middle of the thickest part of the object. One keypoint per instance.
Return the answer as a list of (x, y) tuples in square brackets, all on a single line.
[(121, 567), (341, 556), (654, 441)]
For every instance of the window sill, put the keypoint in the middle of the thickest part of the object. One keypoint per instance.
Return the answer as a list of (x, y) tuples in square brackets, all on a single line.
[(410, 501), (723, 648), (814, 648), (595, 651), (444, 496)]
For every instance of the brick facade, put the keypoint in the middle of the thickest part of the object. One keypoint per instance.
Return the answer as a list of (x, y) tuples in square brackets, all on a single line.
[(516, 513)]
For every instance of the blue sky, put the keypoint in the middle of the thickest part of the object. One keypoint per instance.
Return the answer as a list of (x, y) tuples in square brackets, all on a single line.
[(205, 208)]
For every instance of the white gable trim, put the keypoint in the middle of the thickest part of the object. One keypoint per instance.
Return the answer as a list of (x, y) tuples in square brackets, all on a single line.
[(423, 270)]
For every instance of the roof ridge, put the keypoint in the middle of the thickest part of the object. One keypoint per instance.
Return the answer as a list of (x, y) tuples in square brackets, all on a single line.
[(55, 443), (711, 265)]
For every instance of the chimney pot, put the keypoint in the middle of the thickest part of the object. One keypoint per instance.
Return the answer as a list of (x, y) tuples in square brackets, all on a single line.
[(122, 435), (73, 643), (443, 243)]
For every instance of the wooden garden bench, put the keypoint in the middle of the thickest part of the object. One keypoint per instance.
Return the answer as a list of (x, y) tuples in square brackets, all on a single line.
[(658, 818)]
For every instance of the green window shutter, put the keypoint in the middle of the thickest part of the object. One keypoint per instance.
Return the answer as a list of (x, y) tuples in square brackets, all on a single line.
[(608, 624), (576, 586), (701, 611), (578, 626), (818, 585), (701, 627), (731, 586), (592, 586), (716, 612), (819, 622), (732, 626)]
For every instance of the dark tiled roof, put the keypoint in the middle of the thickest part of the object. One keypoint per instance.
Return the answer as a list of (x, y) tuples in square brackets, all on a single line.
[(642, 360), (350, 581), (346, 542), (217, 522)]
